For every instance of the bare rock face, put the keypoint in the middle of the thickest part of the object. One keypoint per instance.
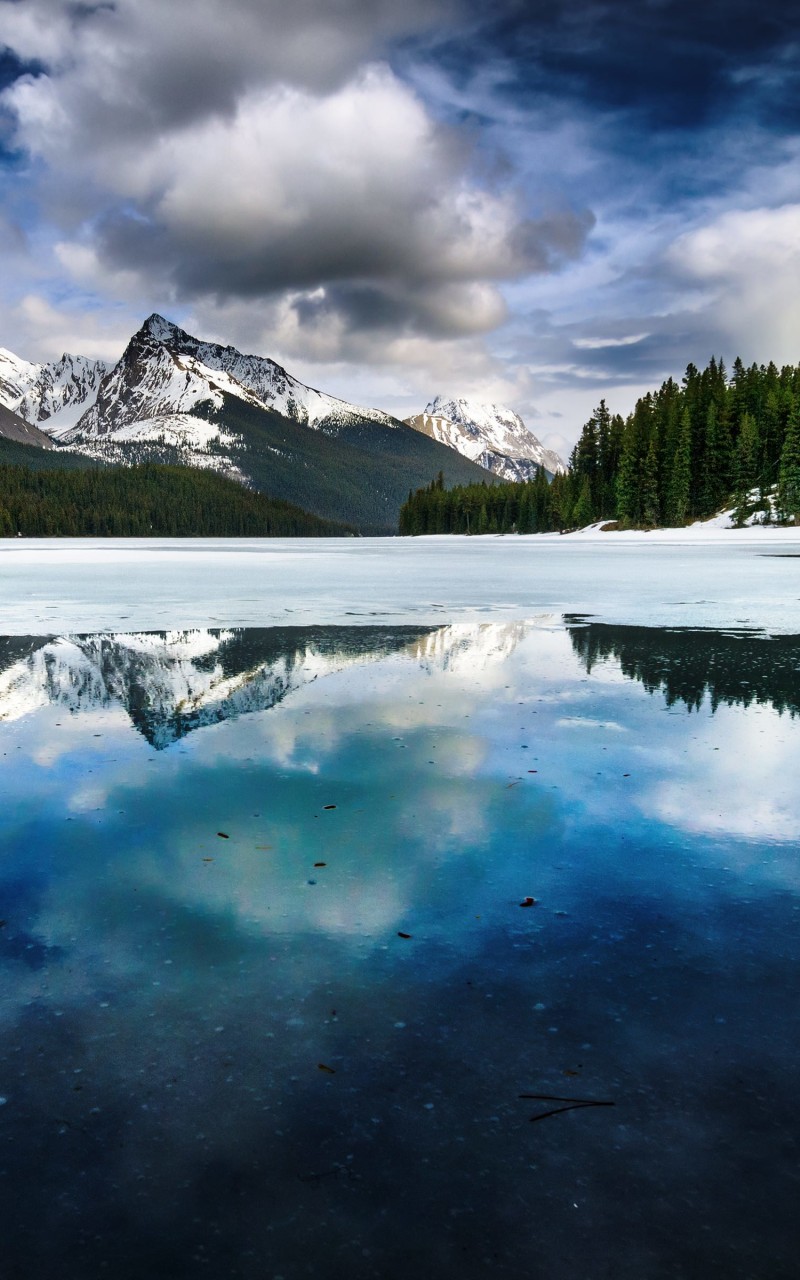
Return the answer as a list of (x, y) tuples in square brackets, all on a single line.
[(12, 427)]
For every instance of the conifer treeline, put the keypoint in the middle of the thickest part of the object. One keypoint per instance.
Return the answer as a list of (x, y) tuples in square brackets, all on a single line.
[(525, 507), (684, 453), (145, 501)]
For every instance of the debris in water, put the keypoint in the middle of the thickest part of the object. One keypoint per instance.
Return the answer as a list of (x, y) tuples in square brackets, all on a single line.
[(321, 1066), (329, 806), (572, 1104), (223, 835), (528, 902), (403, 935), (320, 864)]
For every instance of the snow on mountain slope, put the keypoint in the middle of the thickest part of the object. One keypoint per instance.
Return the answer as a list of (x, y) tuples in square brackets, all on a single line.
[(17, 376), (172, 398), (489, 434), (48, 395), (164, 371)]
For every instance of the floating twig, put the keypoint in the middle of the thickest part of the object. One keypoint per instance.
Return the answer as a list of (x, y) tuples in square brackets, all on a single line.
[(572, 1104)]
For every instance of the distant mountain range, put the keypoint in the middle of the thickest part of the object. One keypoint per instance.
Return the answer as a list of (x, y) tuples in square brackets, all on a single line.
[(489, 434), (174, 398)]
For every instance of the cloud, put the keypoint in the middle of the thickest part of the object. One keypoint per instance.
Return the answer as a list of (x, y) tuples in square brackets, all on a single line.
[(746, 262), (155, 67), (266, 154), (670, 64), (406, 189), (44, 331), (601, 344), (295, 190)]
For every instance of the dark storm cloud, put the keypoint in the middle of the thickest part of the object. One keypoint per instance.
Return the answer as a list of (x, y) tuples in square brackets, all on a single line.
[(242, 151), (402, 259), (676, 64), (158, 67), (12, 69)]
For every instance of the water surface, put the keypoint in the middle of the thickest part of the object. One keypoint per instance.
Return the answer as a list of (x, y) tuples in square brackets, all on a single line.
[(269, 995)]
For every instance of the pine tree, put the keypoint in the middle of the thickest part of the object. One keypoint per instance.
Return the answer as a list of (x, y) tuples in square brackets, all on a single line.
[(716, 462), (650, 504), (583, 513), (629, 472), (746, 466), (681, 475), (789, 476)]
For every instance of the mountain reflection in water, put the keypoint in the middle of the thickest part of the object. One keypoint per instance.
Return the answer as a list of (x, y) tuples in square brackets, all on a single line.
[(171, 683)]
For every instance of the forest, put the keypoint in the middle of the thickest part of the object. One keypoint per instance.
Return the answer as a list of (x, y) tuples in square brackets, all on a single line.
[(686, 452), (150, 500)]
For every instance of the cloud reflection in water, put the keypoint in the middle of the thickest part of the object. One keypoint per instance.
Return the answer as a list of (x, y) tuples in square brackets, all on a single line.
[(170, 994)]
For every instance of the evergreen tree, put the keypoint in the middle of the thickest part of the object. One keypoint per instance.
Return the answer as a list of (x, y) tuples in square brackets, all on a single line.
[(746, 467), (681, 476), (650, 504), (789, 476), (583, 510), (716, 462)]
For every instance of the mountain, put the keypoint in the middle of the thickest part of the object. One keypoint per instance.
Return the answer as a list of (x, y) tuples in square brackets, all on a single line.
[(52, 396), (165, 373), (174, 398), (489, 434)]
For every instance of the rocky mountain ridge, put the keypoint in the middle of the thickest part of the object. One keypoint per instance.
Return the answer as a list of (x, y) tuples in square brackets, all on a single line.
[(492, 435)]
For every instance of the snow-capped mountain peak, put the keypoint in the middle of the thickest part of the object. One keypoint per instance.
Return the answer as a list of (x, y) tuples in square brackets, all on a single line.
[(168, 383), (492, 435), (161, 330), (52, 395)]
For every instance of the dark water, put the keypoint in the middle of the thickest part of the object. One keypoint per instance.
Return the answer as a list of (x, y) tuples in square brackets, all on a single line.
[(221, 1055)]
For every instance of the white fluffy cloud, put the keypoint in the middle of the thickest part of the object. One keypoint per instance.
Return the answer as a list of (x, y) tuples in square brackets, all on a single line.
[(259, 152), (747, 265)]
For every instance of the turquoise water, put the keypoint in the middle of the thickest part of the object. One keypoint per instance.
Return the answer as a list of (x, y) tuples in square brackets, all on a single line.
[(270, 997)]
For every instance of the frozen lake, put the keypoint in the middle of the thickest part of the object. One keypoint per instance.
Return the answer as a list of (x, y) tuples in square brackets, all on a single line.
[(368, 911), (675, 577)]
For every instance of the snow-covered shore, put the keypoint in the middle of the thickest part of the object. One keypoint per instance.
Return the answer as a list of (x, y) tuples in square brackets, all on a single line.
[(702, 533)]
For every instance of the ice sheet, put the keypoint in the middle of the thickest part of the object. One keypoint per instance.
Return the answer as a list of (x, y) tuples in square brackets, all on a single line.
[(700, 578)]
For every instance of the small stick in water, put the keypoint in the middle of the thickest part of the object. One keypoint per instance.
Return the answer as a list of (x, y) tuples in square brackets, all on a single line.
[(573, 1104)]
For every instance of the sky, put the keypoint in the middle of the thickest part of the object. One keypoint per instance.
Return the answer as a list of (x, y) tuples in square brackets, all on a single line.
[(539, 204)]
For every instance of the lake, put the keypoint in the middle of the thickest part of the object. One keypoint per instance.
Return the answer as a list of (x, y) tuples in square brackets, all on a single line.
[(400, 907)]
